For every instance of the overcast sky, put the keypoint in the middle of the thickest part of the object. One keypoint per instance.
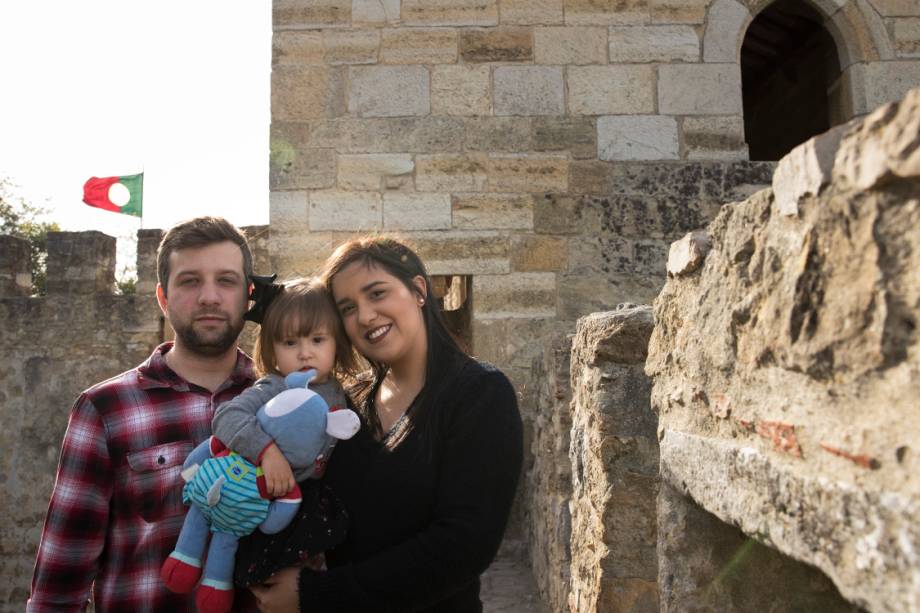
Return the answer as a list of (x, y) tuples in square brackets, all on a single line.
[(176, 88)]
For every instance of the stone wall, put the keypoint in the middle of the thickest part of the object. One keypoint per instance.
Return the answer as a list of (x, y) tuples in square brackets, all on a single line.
[(786, 371)]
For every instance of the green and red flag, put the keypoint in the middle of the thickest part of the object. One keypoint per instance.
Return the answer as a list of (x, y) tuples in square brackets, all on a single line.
[(96, 193)]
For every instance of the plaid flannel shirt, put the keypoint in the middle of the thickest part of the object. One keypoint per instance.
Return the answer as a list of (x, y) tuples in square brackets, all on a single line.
[(116, 509)]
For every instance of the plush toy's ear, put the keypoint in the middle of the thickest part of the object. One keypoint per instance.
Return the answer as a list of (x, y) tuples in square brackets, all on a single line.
[(342, 424), (299, 378)]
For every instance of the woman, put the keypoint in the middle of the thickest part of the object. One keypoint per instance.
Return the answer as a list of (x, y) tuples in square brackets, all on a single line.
[(429, 479)]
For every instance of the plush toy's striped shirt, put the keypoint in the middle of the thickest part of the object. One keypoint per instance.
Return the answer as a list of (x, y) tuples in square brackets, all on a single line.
[(241, 507)]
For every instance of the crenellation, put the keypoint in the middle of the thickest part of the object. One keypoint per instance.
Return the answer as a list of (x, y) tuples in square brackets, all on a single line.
[(15, 266), (80, 263), (147, 243)]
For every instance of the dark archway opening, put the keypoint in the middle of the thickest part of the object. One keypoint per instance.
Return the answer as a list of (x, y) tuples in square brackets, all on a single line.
[(790, 79)]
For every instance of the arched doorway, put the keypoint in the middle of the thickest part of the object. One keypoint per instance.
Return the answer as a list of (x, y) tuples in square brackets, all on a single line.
[(790, 79)]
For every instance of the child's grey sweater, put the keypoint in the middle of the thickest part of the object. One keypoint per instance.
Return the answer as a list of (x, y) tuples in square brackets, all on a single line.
[(235, 423)]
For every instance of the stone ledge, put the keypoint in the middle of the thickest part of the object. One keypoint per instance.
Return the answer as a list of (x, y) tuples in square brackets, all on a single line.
[(865, 541)]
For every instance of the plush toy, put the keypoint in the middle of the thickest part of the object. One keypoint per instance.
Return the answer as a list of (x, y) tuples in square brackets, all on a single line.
[(227, 494)]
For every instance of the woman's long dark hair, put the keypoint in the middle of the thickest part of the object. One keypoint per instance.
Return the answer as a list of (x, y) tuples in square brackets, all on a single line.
[(445, 357)]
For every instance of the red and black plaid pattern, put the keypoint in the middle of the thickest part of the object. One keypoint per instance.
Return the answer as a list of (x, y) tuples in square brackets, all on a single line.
[(116, 509)]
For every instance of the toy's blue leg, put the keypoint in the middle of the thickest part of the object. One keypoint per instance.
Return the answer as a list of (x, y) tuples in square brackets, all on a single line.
[(180, 571), (280, 515), (218, 572), (194, 535)]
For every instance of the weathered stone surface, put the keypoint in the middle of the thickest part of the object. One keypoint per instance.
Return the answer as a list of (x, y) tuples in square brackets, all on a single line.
[(375, 135), (450, 12), (517, 295), (147, 243), (528, 90), (907, 37), (461, 90), (687, 254), (416, 211), (341, 210), (288, 211), (493, 211), (504, 44), (418, 46), (611, 90), (299, 253), (891, 81), (698, 89), (614, 458), (388, 91), (527, 173), (639, 44), (678, 11), (640, 137), (15, 267), (451, 172), (805, 170), (375, 171), (297, 48), (80, 263), (350, 46), (570, 46), (714, 138), (464, 253), (306, 92), (606, 12), (293, 168), (293, 14), (539, 253), (575, 135), (498, 134), (725, 27), (896, 8), (374, 12), (531, 12)]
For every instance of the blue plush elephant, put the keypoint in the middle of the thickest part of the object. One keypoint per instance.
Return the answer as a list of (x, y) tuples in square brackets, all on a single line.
[(227, 495)]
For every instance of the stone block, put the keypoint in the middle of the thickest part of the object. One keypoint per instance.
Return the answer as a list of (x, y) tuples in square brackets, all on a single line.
[(493, 211), (80, 263), (539, 253), (907, 37), (503, 44), (691, 12), (890, 81), (897, 8), (416, 211), (295, 14), (528, 90), (147, 243), (389, 135), (297, 48), (644, 137), (15, 267), (725, 26), (570, 45), (349, 211), (590, 177), (606, 12), (522, 295), (805, 170), (527, 174), (714, 138), (464, 253), (449, 12), (498, 134), (532, 12), (611, 90), (640, 44), (461, 90), (451, 172), (295, 168), (375, 171), (555, 214), (388, 91), (299, 254), (699, 89), (575, 135), (688, 254), (305, 92), (350, 46), (418, 46), (288, 211), (374, 12)]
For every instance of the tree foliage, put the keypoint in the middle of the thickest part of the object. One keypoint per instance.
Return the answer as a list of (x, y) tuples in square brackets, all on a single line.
[(21, 218)]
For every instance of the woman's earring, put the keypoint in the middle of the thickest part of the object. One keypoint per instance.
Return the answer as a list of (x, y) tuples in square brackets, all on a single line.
[(421, 302)]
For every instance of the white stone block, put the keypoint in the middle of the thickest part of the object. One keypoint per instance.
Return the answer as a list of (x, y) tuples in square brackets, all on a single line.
[(804, 170), (611, 90), (726, 23), (286, 209), (638, 137), (374, 12), (345, 210), (699, 89), (522, 295), (388, 91), (639, 44), (375, 171), (570, 46), (890, 81), (461, 90), (529, 90), (416, 211), (688, 254)]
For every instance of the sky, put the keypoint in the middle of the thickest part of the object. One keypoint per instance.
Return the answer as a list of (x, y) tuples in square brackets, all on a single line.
[(178, 89)]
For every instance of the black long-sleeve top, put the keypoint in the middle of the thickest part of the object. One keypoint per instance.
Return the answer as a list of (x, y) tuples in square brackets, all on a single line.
[(424, 522)]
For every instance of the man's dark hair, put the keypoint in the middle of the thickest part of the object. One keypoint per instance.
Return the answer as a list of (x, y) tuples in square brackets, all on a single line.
[(196, 233)]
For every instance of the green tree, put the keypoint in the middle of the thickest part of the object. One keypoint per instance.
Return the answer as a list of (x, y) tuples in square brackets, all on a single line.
[(21, 218)]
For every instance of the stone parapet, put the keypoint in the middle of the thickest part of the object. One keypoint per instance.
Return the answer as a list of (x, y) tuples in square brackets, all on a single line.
[(80, 263), (15, 267)]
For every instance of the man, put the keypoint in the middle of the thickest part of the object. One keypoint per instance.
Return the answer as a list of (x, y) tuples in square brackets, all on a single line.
[(116, 509)]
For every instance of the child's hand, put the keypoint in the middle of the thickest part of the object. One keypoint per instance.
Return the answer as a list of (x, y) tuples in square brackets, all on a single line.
[(279, 480)]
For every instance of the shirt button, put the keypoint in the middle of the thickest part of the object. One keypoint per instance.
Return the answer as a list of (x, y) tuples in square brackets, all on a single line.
[(161, 460)]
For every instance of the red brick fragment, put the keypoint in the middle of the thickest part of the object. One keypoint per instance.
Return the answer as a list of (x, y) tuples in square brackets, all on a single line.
[(782, 435), (862, 459)]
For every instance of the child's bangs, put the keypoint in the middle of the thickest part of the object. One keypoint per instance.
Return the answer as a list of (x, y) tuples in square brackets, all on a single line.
[(304, 314)]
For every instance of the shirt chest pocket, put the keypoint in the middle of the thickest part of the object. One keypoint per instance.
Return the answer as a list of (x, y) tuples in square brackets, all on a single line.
[(151, 485)]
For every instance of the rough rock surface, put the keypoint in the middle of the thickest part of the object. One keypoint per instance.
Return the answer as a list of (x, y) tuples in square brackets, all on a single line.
[(787, 369)]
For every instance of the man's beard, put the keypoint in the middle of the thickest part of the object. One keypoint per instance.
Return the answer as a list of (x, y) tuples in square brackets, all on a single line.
[(214, 344)]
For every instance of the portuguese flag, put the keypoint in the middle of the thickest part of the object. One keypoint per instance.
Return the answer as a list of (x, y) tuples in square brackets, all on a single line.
[(96, 193)]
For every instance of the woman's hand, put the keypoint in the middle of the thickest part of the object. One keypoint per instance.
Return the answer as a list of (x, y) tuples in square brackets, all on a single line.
[(279, 480), (279, 592)]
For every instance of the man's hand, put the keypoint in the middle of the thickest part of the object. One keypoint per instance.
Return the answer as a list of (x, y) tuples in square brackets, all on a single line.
[(279, 592), (279, 480)]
